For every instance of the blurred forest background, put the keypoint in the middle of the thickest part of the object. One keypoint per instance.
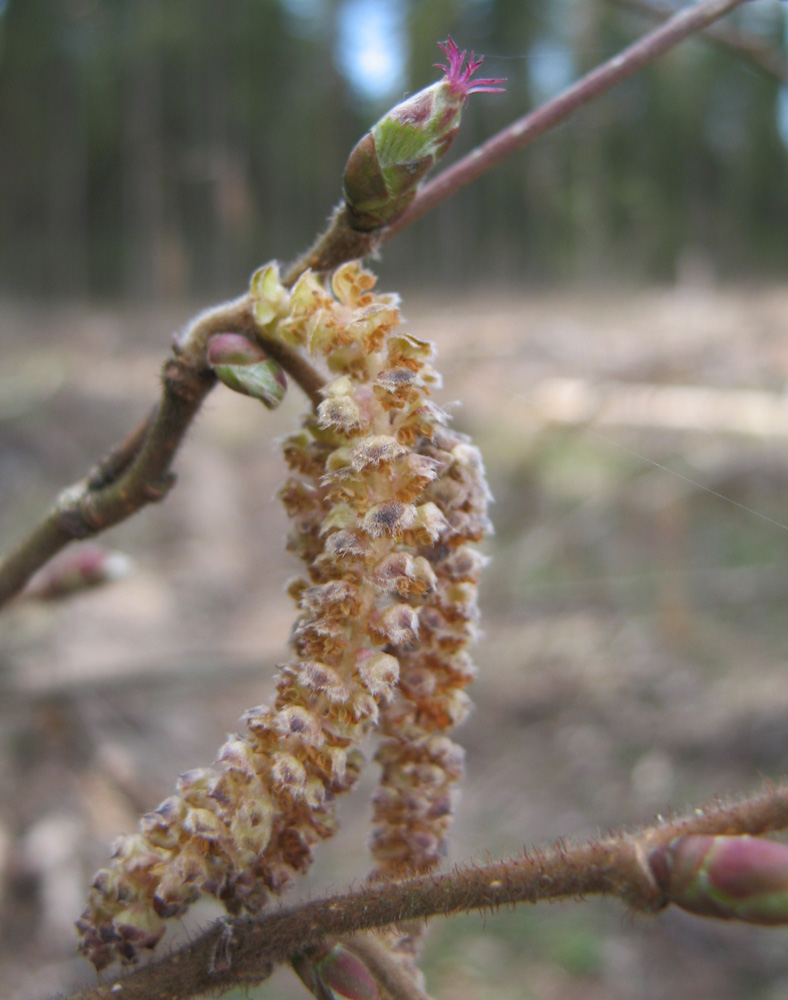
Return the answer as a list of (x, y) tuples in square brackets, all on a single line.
[(166, 148), (610, 306)]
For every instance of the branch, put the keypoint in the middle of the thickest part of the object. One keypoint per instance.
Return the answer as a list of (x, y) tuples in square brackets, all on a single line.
[(82, 510), (756, 51), (137, 471), (341, 242), (337, 245), (614, 866), (525, 130)]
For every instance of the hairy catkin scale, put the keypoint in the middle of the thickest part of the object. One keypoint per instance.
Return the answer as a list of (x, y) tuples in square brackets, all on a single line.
[(384, 501)]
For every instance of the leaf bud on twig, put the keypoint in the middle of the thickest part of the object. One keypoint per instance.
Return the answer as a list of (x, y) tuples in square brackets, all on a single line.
[(78, 569), (335, 973), (244, 367), (732, 878)]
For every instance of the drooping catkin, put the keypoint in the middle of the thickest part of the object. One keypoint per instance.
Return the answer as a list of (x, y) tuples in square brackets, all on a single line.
[(385, 502), (420, 765)]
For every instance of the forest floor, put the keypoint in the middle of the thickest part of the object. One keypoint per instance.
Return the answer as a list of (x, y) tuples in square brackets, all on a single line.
[(634, 653)]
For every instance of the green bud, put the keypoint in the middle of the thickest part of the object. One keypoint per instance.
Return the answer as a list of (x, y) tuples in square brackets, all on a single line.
[(243, 367), (387, 165), (335, 974), (732, 878)]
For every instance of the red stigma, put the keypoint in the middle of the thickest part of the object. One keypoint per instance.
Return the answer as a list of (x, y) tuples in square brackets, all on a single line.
[(459, 77)]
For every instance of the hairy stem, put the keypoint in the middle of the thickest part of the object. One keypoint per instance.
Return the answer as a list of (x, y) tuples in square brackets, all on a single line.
[(337, 245), (525, 130), (109, 468), (614, 866)]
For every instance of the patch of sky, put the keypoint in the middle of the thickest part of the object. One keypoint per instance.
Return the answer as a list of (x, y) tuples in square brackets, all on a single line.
[(3, 5), (782, 114), (782, 103), (764, 19), (372, 46), (551, 68), (307, 18), (768, 18)]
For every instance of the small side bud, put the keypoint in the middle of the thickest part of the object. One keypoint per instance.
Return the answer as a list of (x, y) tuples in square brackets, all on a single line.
[(335, 974), (731, 878), (243, 367), (387, 165), (80, 569)]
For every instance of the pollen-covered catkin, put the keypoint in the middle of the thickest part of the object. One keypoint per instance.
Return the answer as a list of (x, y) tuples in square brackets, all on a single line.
[(384, 501), (420, 764)]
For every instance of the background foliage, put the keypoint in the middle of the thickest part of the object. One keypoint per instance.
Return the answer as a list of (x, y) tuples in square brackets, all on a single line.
[(162, 147)]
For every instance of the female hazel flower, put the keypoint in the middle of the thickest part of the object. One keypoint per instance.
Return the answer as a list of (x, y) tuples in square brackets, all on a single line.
[(387, 165)]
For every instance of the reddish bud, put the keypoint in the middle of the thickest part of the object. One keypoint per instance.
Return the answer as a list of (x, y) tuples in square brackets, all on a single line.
[(335, 974), (732, 878), (79, 569)]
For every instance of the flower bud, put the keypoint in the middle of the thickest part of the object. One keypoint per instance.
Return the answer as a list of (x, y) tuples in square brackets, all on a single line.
[(243, 367), (335, 974), (732, 878), (385, 168), (76, 570)]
